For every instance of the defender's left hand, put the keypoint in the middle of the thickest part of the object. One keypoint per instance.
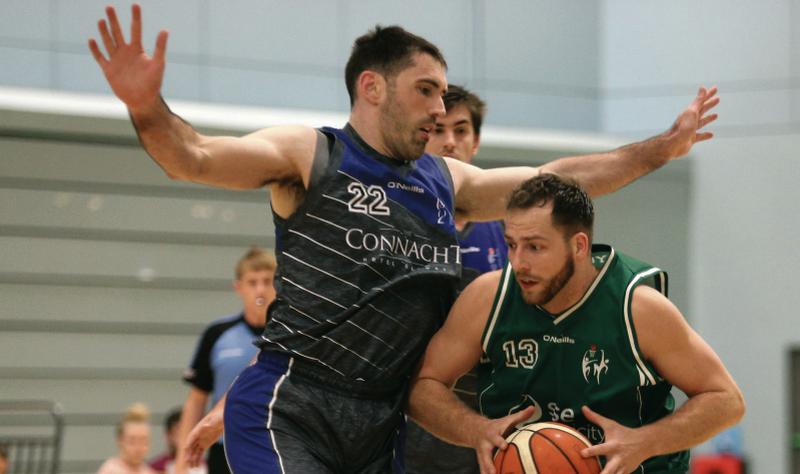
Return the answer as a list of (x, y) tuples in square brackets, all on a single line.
[(686, 131), (623, 447)]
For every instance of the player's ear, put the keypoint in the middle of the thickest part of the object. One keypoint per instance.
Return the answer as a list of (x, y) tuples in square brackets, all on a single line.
[(371, 86), (580, 245)]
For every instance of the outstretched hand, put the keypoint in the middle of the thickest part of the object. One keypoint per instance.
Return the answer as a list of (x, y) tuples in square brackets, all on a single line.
[(686, 131), (623, 448), (492, 436), (134, 76)]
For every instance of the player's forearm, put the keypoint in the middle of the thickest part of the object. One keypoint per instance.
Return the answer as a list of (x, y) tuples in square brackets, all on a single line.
[(697, 420), (169, 140), (437, 409), (604, 173), (191, 414)]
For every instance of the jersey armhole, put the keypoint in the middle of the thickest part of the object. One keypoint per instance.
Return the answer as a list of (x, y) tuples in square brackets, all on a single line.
[(324, 150), (446, 172), (497, 306), (657, 279), (322, 155)]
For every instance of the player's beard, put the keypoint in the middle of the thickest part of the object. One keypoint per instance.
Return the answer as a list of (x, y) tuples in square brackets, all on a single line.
[(554, 285), (399, 135)]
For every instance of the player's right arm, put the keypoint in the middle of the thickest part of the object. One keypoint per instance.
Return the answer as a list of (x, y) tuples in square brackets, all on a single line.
[(280, 154), (193, 409), (452, 352)]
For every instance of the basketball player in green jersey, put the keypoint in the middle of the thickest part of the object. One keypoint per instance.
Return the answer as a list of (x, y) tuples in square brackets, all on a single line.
[(578, 334)]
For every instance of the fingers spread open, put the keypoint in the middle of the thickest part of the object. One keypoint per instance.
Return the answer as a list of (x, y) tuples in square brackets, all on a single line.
[(98, 56), (161, 46), (709, 104), (703, 136), (106, 37), (707, 120), (116, 31), (136, 25)]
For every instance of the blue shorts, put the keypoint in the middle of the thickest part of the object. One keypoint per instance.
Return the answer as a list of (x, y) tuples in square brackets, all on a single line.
[(277, 421)]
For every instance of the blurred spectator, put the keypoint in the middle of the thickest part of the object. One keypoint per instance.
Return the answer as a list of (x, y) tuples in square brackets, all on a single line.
[(133, 441), (161, 462)]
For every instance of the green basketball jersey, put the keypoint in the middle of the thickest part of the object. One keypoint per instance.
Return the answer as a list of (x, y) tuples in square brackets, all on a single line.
[(588, 355)]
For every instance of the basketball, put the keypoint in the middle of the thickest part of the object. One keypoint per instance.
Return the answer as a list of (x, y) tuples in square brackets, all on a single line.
[(545, 448)]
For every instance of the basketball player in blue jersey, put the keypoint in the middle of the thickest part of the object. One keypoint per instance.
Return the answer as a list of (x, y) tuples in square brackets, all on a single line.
[(483, 249), (458, 135), (368, 260)]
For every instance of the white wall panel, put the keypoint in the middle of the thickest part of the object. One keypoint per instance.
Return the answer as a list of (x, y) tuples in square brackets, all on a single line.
[(25, 67), (522, 109), (301, 32), (738, 108), (743, 267), (683, 42), (25, 19), (543, 42), (77, 22), (277, 89)]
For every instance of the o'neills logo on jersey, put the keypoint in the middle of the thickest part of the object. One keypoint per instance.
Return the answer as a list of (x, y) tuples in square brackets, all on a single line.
[(405, 187), (558, 340), (400, 245)]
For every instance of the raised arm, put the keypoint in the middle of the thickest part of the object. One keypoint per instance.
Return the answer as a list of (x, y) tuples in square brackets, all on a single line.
[(604, 173), (282, 154), (453, 351), (481, 194), (684, 359)]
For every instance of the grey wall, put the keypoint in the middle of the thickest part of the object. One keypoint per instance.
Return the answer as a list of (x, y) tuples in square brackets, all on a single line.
[(108, 273), (743, 206)]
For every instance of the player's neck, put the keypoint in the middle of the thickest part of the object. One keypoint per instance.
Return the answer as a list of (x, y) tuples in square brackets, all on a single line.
[(367, 128), (573, 291)]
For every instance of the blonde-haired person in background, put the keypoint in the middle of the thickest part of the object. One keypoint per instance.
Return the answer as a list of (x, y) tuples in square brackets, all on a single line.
[(225, 349), (133, 441)]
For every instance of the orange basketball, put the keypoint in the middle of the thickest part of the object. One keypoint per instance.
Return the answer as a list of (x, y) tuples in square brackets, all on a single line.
[(545, 448)]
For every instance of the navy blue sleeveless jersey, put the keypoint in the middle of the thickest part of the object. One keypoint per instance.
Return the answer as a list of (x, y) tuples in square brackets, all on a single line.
[(368, 266), (483, 247)]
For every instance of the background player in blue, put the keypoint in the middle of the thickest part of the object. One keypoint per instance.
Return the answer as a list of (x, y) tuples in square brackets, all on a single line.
[(483, 249), (569, 327), (226, 348), (458, 135), (366, 248)]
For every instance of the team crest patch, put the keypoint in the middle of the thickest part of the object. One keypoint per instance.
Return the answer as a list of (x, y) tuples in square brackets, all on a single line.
[(594, 364)]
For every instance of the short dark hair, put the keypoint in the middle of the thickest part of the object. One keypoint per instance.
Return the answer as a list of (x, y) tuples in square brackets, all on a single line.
[(172, 418), (457, 95), (572, 207), (387, 50)]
